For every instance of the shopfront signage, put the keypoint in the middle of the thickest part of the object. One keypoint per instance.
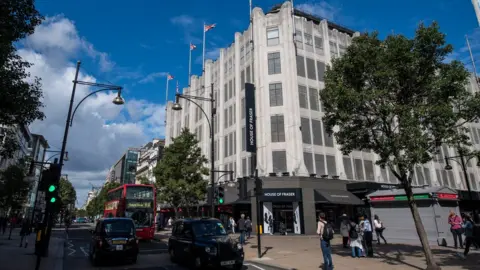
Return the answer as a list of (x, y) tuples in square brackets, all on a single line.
[(399, 198), (282, 194), (251, 136), (447, 196)]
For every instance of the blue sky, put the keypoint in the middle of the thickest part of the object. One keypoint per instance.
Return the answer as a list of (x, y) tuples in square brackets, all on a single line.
[(145, 37)]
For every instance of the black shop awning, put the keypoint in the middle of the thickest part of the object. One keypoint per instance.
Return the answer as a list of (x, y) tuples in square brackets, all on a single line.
[(336, 197)]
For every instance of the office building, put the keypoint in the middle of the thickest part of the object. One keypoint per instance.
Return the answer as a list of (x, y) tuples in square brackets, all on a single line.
[(38, 151), (125, 169), (301, 166), (150, 154)]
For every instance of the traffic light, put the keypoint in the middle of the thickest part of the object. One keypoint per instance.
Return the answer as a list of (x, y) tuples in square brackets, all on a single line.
[(51, 194), (220, 195)]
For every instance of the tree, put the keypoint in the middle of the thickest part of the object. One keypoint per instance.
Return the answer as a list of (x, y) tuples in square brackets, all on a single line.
[(67, 193), (399, 98), (80, 213), (180, 173), (14, 187), (143, 180), (20, 98), (96, 205)]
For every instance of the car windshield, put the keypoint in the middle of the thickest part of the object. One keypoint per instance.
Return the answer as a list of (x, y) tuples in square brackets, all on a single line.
[(209, 228), (116, 227)]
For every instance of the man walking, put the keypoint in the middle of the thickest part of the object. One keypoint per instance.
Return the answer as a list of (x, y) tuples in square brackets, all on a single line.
[(325, 231), (368, 233), (241, 228)]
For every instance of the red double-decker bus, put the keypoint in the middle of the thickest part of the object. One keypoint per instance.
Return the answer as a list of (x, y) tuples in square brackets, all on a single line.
[(137, 202)]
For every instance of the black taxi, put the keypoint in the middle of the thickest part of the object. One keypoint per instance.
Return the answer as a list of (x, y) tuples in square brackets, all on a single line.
[(204, 242), (113, 238)]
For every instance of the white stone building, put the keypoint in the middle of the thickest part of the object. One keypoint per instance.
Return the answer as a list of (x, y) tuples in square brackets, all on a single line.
[(150, 154), (289, 58)]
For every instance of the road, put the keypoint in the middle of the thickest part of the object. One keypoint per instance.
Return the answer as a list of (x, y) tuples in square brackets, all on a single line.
[(153, 255)]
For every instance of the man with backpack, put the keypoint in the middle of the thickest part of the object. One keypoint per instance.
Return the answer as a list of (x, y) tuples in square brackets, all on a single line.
[(325, 231)]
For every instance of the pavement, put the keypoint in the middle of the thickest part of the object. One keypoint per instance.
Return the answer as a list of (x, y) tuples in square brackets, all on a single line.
[(302, 252), (13, 257)]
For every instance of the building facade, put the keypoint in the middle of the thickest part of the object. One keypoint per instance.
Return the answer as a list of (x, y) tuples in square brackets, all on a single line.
[(150, 154), (38, 152), (24, 139), (287, 65), (125, 169)]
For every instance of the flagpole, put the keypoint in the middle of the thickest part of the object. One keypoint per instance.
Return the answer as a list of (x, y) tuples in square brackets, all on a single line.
[(190, 64), (166, 91), (471, 56), (203, 47)]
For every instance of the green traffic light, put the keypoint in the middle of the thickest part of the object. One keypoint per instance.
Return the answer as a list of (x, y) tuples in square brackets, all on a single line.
[(52, 200), (51, 188), (220, 201)]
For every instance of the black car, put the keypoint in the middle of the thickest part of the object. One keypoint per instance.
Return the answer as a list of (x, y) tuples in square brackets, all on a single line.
[(113, 238), (204, 242)]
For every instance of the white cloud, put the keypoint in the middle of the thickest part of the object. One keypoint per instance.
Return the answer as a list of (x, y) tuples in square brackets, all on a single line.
[(153, 76), (321, 9), (183, 20), (212, 54), (101, 131), (191, 27), (58, 38)]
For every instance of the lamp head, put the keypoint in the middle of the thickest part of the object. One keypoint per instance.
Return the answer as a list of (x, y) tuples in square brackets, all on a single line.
[(118, 100), (177, 107), (448, 167)]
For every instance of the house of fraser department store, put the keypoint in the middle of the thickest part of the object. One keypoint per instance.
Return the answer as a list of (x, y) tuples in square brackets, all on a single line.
[(292, 145)]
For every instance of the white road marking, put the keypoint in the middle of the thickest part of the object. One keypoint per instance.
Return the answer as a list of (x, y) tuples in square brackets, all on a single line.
[(70, 248), (84, 252), (258, 267)]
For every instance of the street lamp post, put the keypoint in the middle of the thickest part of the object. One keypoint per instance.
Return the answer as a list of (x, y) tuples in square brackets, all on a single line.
[(463, 163), (178, 107)]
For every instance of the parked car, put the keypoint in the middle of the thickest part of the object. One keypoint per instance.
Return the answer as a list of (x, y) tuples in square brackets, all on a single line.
[(204, 242), (113, 238)]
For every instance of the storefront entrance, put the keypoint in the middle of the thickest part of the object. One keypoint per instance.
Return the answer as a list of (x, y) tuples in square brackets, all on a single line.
[(282, 206), (283, 213)]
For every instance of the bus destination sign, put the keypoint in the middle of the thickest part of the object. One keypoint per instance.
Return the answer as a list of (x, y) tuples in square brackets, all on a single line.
[(139, 204)]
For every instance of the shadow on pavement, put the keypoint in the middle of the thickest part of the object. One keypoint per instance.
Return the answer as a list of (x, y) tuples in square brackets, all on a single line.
[(407, 255)]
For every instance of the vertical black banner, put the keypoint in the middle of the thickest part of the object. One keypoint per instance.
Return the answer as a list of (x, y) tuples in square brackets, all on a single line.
[(251, 122)]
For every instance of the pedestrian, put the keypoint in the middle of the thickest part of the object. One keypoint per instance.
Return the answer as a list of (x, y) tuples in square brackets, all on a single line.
[(25, 232), (355, 236), (325, 231), (455, 222), (344, 230), (241, 228), (379, 228), (368, 233), (469, 239), (248, 227)]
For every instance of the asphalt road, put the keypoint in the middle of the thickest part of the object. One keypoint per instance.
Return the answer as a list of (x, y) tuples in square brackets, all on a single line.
[(153, 255)]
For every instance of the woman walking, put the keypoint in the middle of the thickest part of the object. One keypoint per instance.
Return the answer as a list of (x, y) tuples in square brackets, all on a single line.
[(469, 239), (378, 224)]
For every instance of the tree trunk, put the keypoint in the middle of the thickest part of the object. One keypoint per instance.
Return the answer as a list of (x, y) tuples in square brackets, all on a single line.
[(431, 264), (176, 212)]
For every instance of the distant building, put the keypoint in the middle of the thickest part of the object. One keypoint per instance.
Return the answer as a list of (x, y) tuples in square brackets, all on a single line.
[(110, 175), (150, 154), (37, 154), (24, 138), (125, 168)]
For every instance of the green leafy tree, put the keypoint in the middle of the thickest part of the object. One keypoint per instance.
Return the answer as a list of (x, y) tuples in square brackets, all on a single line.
[(14, 187), (80, 213), (20, 97), (180, 173), (67, 193), (96, 205), (143, 180), (399, 98)]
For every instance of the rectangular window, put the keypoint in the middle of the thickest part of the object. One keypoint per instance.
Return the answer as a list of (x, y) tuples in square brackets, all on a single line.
[(273, 37), (225, 118), (317, 132), (242, 79), (305, 126), (320, 165), (244, 167), (274, 66), (242, 110), (308, 159), (298, 36), (276, 98), (318, 43), (230, 144), (302, 96), (279, 159), (426, 174), (244, 138), (331, 165), (225, 94), (333, 49), (369, 171), (247, 72), (320, 71), (225, 146), (347, 165), (230, 116), (359, 169), (230, 89), (328, 138), (300, 66), (277, 128), (314, 99), (311, 72), (234, 112)]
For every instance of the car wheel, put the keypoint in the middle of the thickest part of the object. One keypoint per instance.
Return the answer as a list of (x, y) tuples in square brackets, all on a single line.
[(173, 257)]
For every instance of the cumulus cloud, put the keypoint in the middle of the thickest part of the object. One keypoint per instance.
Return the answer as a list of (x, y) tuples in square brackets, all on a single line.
[(101, 131), (153, 76)]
